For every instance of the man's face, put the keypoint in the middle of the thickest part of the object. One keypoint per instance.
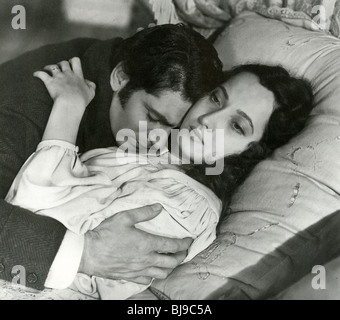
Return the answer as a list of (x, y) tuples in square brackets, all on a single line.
[(161, 111)]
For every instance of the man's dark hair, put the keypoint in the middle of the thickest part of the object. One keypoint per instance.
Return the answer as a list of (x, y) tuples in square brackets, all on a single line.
[(293, 104), (169, 57)]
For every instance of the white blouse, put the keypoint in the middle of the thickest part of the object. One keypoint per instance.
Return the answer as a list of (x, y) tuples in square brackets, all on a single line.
[(81, 192)]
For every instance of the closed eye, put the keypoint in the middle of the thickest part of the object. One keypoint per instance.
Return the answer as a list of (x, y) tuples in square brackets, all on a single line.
[(151, 118), (215, 99), (154, 116), (219, 96)]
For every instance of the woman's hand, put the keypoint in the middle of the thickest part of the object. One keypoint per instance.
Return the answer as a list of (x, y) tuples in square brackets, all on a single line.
[(209, 14), (71, 94), (66, 84)]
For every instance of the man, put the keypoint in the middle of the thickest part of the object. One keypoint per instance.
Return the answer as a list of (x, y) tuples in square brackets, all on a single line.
[(154, 76)]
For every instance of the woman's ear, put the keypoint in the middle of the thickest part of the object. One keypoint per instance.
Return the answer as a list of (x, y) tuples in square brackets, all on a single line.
[(119, 78)]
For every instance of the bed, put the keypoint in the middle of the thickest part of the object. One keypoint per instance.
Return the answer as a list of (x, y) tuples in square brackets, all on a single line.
[(285, 219)]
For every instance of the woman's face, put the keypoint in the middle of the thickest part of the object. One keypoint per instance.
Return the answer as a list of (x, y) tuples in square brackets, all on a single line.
[(240, 108)]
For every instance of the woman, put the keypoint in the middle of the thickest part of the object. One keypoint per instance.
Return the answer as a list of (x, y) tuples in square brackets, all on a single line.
[(255, 110)]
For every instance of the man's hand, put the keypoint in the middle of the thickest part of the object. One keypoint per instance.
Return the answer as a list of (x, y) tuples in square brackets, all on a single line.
[(209, 14), (116, 249)]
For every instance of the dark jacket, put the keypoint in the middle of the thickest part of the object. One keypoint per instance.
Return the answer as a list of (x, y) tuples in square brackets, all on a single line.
[(27, 239)]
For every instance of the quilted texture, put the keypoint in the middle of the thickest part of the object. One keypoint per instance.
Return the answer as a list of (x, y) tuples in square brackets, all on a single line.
[(303, 13), (322, 15)]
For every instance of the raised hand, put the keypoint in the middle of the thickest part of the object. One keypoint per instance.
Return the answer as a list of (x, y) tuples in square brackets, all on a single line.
[(66, 84), (71, 94)]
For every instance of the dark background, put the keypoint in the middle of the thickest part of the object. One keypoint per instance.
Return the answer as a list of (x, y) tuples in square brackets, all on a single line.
[(46, 22)]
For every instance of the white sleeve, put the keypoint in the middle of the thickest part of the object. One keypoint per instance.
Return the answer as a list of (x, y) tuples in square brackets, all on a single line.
[(190, 209), (66, 263), (54, 182), (44, 178)]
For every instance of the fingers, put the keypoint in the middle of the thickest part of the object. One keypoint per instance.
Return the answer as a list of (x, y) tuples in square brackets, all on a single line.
[(168, 245), (76, 66), (145, 276), (52, 69), (65, 66), (180, 256), (157, 273), (142, 214), (90, 84), (141, 280), (168, 261), (43, 76), (73, 65), (137, 277)]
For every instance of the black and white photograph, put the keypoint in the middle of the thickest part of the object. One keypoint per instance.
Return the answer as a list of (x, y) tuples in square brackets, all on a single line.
[(178, 150)]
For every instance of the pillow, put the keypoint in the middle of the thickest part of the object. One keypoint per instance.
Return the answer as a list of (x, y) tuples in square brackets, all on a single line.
[(303, 13), (323, 15), (284, 218)]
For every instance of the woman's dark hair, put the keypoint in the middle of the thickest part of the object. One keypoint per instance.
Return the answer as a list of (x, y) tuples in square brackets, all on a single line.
[(169, 57), (293, 104)]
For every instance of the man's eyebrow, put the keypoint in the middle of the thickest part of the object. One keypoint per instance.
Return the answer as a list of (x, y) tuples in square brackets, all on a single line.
[(161, 118), (245, 116)]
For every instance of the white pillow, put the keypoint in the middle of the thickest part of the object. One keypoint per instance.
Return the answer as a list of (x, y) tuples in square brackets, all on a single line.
[(284, 218)]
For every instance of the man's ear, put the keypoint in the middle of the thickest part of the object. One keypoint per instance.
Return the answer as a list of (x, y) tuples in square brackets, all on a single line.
[(119, 78)]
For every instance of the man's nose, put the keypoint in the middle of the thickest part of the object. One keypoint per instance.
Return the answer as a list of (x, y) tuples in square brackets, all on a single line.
[(208, 120), (159, 136)]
